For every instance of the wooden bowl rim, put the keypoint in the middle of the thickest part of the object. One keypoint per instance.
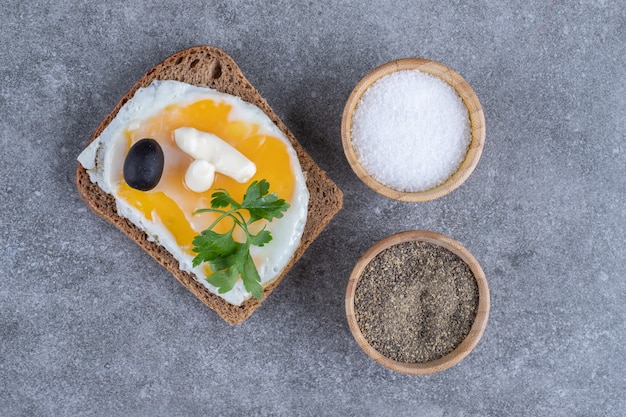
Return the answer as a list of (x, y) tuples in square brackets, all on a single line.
[(477, 125), (476, 331)]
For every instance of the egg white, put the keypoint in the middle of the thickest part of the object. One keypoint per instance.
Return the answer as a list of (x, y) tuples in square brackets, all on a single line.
[(104, 157)]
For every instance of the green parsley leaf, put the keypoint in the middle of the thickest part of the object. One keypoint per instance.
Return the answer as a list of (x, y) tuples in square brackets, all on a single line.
[(224, 279), (261, 238), (255, 191), (228, 258), (222, 199), (262, 205), (251, 278), (210, 245)]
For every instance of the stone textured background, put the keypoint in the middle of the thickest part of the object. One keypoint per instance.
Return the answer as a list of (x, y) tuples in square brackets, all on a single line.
[(90, 325)]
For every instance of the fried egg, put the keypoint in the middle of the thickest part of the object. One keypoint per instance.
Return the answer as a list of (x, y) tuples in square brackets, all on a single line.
[(166, 212)]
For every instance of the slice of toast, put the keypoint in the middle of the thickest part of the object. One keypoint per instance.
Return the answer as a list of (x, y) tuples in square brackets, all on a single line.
[(212, 67)]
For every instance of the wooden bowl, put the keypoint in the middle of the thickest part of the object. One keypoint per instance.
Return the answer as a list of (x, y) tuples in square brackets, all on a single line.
[(478, 326), (477, 126)]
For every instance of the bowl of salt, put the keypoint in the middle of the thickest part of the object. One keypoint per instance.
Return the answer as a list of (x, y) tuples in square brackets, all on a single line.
[(413, 130)]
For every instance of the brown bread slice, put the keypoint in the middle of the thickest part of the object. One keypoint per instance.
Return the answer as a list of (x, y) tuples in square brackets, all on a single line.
[(212, 67)]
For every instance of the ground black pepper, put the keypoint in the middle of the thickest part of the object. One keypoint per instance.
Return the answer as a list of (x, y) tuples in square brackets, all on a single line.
[(415, 302)]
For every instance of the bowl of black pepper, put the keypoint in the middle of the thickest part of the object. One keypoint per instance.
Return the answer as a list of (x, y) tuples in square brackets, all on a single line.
[(417, 302)]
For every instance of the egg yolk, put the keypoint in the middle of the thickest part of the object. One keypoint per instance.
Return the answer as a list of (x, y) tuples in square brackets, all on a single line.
[(171, 203)]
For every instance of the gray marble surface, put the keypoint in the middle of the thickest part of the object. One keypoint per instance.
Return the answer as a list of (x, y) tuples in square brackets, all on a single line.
[(90, 325)]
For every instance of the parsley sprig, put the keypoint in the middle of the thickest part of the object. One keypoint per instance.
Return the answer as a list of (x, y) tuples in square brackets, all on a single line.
[(228, 258)]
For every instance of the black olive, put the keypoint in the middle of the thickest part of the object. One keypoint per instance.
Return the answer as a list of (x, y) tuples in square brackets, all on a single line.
[(143, 165)]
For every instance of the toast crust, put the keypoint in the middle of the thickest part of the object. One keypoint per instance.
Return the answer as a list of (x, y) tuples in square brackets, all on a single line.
[(211, 67)]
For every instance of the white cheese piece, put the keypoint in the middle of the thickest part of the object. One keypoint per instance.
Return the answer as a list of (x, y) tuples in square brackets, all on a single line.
[(200, 175), (208, 147)]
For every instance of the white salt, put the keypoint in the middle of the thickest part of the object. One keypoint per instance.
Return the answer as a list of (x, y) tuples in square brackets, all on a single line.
[(410, 131)]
